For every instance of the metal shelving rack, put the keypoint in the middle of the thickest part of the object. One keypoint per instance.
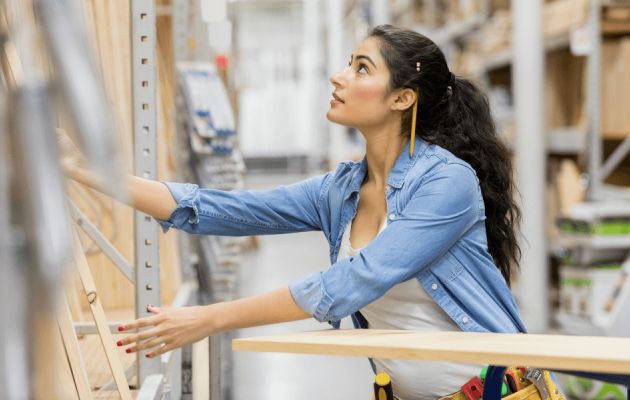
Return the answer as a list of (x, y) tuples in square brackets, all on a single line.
[(569, 141), (146, 229), (159, 377)]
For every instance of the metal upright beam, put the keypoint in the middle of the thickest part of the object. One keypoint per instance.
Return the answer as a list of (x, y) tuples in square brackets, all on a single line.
[(146, 230), (594, 101), (531, 160), (180, 31)]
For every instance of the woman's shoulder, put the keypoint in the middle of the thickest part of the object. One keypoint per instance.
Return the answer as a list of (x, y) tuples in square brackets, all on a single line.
[(439, 161), (344, 171)]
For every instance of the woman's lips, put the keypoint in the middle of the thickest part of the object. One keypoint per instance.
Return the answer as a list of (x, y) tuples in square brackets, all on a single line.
[(336, 99)]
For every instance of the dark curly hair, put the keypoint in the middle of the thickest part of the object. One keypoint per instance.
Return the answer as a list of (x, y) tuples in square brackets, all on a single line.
[(459, 120)]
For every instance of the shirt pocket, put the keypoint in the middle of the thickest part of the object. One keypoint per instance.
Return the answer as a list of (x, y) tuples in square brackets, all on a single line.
[(447, 268)]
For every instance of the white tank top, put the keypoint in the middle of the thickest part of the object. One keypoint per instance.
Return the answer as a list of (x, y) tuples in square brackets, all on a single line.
[(408, 306)]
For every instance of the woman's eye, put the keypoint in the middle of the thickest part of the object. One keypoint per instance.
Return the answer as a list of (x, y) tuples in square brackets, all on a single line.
[(362, 67), (349, 63)]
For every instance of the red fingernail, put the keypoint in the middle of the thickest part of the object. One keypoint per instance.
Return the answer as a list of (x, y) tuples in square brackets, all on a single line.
[(128, 351), (120, 329), (147, 356), (119, 343)]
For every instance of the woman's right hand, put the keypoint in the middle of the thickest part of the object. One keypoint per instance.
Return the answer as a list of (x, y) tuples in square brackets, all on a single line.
[(72, 160), (145, 195)]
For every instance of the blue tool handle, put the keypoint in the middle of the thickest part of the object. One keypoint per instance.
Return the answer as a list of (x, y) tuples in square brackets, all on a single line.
[(493, 383)]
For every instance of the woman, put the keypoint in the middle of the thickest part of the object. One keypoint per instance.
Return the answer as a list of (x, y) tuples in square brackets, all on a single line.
[(419, 240)]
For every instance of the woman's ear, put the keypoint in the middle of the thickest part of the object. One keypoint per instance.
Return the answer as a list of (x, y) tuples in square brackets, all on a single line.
[(404, 98)]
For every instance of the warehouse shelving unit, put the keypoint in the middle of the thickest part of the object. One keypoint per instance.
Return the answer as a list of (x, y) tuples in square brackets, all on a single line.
[(561, 141), (158, 377)]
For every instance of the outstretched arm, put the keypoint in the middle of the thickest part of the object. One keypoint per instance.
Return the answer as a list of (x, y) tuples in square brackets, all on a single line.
[(177, 327), (285, 209), (150, 197)]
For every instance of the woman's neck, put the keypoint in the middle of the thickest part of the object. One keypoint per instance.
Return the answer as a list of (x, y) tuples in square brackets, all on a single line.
[(383, 148)]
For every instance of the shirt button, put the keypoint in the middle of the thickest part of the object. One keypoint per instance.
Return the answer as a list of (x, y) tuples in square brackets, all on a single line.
[(392, 216), (434, 286), (465, 320), (387, 187)]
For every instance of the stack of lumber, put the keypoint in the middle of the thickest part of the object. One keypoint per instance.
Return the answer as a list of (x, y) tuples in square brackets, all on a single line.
[(461, 10), (467, 61), (420, 13), (496, 5), (450, 11), (107, 24), (615, 88), (616, 20), (559, 17), (497, 33), (565, 90)]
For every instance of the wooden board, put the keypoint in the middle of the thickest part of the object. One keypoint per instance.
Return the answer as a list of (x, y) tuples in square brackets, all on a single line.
[(594, 354), (65, 388), (64, 320), (99, 318), (201, 369)]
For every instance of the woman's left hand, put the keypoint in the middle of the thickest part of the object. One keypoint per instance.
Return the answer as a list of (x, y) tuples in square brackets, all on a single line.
[(173, 327)]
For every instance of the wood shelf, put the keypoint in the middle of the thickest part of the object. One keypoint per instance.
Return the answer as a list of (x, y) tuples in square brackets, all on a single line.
[(504, 58), (615, 135), (615, 28), (593, 241)]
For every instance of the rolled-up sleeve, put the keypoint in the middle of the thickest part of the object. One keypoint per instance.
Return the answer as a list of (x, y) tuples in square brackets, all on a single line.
[(285, 209), (441, 210), (188, 203)]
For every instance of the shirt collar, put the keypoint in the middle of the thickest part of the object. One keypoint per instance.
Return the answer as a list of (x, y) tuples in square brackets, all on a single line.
[(398, 174)]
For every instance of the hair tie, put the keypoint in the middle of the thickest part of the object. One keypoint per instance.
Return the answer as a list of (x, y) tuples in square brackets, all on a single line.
[(452, 79)]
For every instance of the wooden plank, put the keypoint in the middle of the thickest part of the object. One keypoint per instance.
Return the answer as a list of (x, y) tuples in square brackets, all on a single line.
[(64, 320), (201, 370), (11, 64), (580, 353), (66, 388), (99, 318)]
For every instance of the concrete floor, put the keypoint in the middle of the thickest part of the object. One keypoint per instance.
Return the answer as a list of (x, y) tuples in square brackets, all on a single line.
[(279, 260)]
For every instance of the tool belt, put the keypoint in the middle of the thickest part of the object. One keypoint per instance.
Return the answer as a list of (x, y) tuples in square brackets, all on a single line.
[(533, 384)]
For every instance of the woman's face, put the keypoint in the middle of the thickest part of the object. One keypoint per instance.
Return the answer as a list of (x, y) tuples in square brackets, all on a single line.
[(359, 95)]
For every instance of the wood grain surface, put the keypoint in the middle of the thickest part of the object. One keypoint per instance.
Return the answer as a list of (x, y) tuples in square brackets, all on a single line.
[(73, 352), (580, 353), (99, 318)]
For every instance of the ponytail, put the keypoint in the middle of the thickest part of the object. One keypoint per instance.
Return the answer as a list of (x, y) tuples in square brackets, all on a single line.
[(455, 115)]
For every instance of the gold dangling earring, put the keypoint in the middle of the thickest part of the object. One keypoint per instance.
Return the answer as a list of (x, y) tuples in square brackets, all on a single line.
[(413, 120)]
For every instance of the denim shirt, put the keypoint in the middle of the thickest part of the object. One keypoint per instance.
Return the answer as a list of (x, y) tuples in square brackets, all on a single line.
[(436, 233)]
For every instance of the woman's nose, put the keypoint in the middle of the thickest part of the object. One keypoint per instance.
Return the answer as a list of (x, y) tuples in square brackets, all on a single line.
[(335, 79)]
